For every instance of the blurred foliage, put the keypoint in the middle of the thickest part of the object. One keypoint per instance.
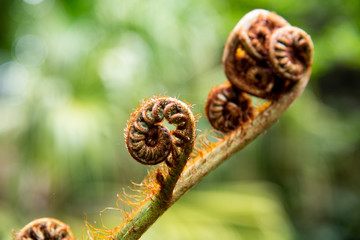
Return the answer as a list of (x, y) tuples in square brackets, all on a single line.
[(226, 211), (72, 71)]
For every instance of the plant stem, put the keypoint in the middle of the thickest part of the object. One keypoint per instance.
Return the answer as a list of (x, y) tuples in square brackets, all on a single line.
[(149, 212), (143, 217), (237, 140)]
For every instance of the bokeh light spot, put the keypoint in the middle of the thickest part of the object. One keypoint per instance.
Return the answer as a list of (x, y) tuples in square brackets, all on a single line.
[(33, 2), (31, 50), (13, 79)]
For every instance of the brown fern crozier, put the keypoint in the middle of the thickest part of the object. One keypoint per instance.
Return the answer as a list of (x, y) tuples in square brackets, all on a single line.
[(227, 108), (148, 141), (264, 55)]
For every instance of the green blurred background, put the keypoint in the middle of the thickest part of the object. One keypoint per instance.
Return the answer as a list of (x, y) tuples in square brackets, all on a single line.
[(71, 72)]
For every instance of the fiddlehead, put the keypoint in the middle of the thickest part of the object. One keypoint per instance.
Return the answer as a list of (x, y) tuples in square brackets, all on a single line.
[(258, 37), (45, 229), (248, 74), (255, 29), (149, 142), (227, 108), (264, 55), (290, 52)]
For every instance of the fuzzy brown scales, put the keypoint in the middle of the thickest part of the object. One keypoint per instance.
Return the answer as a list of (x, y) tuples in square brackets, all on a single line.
[(45, 229), (148, 141), (264, 55), (227, 108)]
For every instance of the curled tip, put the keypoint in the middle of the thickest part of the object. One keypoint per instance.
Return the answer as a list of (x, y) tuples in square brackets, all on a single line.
[(228, 108), (255, 28), (149, 142), (290, 52), (45, 229), (264, 55)]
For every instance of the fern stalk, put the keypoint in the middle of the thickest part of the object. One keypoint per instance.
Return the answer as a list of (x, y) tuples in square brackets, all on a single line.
[(135, 226)]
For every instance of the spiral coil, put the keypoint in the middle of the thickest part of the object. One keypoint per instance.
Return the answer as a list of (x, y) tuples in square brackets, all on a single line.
[(148, 141), (227, 108), (264, 56), (290, 52)]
